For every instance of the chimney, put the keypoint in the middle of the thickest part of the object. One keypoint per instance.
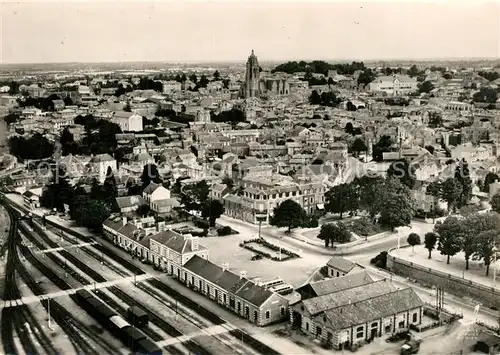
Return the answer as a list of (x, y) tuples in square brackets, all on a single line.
[(225, 266), (124, 220), (243, 274), (349, 300), (195, 243)]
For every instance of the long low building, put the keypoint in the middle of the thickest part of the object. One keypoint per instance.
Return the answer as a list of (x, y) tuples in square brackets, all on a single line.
[(355, 311), (182, 257)]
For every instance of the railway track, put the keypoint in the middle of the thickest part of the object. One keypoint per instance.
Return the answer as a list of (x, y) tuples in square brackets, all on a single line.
[(78, 333), (168, 328), (19, 318), (238, 334)]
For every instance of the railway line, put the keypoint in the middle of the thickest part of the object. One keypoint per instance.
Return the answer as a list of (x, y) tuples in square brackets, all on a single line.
[(31, 335), (236, 340), (82, 338)]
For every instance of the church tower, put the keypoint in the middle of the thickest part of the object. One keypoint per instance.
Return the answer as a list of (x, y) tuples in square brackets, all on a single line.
[(252, 77)]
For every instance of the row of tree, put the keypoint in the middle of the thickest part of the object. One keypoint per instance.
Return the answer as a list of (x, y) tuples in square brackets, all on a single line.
[(32, 148), (476, 236), (325, 99)]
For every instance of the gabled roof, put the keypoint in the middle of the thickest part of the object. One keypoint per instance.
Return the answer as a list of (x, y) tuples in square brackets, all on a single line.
[(151, 188), (101, 158), (175, 241), (327, 286), (341, 264), (373, 308), (254, 294), (337, 299), (129, 201)]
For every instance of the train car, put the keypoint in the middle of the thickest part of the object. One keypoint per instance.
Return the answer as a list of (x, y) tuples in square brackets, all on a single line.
[(105, 311), (137, 317), (84, 294), (147, 347), (117, 325)]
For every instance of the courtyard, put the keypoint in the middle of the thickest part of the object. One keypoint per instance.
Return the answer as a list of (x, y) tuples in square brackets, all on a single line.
[(294, 271)]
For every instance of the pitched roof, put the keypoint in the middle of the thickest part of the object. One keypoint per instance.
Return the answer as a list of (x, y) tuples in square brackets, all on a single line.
[(114, 222), (175, 241), (151, 188), (337, 299), (129, 201), (373, 308), (101, 158), (341, 264), (254, 294), (327, 286)]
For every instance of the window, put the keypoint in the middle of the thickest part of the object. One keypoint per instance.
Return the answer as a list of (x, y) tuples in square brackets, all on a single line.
[(208, 289), (401, 324), (415, 317), (282, 311), (201, 285), (360, 332), (307, 326), (268, 314), (192, 280)]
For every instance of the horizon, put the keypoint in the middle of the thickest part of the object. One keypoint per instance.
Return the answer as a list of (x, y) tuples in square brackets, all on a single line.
[(174, 32)]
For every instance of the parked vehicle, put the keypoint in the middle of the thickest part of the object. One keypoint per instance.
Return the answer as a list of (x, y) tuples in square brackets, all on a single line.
[(137, 317), (131, 336), (410, 347)]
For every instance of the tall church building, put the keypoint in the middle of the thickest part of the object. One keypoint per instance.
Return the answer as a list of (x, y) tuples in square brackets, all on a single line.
[(252, 77)]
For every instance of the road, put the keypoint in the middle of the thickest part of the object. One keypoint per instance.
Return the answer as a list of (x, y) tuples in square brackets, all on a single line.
[(363, 254)]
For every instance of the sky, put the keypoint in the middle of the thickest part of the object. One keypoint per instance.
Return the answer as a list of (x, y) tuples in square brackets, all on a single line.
[(171, 31)]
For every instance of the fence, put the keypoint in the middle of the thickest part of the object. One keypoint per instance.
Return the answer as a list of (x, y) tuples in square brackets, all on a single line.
[(490, 296)]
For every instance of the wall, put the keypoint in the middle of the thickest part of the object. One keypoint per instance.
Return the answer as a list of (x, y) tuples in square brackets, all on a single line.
[(461, 287)]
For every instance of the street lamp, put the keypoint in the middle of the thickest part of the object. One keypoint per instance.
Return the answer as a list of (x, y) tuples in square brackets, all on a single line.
[(495, 251)]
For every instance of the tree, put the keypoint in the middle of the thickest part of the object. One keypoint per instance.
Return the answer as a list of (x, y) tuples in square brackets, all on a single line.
[(370, 190), (495, 203), (67, 141), (413, 239), (203, 82), (212, 209), (426, 87), (486, 95), (334, 233), (402, 169), (413, 71), (195, 196), (462, 175), (450, 192), (315, 98), (11, 118), (94, 214), (110, 189), (430, 149), (366, 77), (216, 75), (434, 189), (430, 240), (358, 146), (449, 232), (68, 101), (34, 147), (485, 250), (150, 174), (349, 128), (435, 119), (288, 214), (342, 198), (350, 106), (193, 78), (383, 145), (488, 180), (228, 182), (397, 205)]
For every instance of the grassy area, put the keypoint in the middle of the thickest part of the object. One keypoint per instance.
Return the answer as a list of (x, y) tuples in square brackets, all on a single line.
[(364, 227)]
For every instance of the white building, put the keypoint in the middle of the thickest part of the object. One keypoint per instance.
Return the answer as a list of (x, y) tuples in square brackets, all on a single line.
[(394, 85), (128, 121), (99, 165)]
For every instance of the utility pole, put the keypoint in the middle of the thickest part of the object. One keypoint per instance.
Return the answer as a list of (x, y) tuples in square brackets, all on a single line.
[(48, 311)]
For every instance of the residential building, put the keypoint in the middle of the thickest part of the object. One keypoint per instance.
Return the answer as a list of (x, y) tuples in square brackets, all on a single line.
[(394, 85), (128, 121), (338, 267)]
